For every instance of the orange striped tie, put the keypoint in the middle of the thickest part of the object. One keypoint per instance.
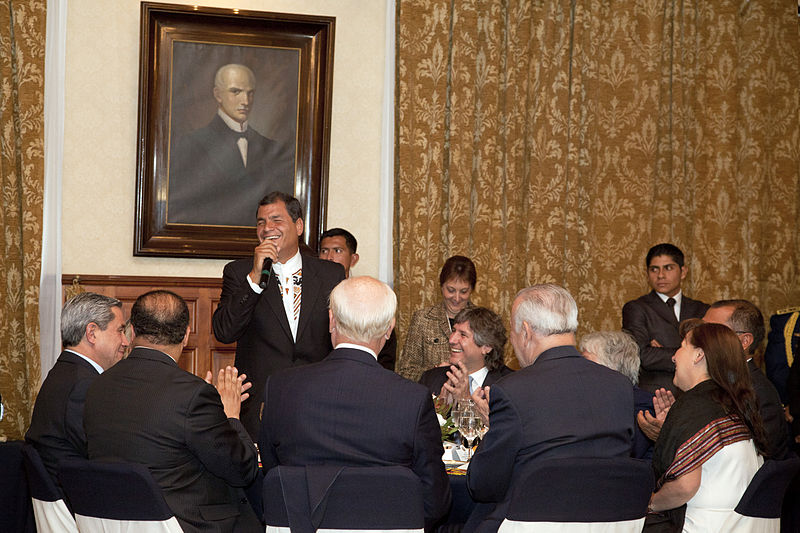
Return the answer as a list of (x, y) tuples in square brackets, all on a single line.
[(297, 282)]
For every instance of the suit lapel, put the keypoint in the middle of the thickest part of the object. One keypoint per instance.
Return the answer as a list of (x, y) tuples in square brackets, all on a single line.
[(275, 301), (662, 309)]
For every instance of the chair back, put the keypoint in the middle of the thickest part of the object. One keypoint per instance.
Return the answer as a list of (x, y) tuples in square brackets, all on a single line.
[(49, 509), (335, 498), (111, 497), (581, 494), (764, 495)]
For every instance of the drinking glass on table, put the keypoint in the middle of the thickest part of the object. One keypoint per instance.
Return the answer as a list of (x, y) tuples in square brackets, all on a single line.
[(469, 427)]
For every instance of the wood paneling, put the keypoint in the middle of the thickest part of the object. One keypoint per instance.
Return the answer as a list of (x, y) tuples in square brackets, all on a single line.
[(203, 352)]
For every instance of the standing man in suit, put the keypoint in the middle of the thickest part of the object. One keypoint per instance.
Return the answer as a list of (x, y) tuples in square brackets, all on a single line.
[(783, 347), (226, 163), (150, 411), (339, 245), (285, 324), (559, 405), (653, 319), (477, 349), (361, 413), (93, 335)]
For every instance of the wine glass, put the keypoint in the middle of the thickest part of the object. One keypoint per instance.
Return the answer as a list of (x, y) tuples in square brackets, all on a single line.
[(470, 427)]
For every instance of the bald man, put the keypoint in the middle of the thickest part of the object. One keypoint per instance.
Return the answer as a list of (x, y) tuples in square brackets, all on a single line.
[(218, 171)]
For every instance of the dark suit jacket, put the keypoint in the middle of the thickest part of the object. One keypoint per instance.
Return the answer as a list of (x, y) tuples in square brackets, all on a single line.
[(648, 318), (147, 410), (435, 377), (258, 325), (56, 429), (777, 358), (642, 446), (771, 410), (349, 411), (209, 184), (562, 405)]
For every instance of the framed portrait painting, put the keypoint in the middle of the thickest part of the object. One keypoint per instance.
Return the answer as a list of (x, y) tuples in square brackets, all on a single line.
[(232, 105)]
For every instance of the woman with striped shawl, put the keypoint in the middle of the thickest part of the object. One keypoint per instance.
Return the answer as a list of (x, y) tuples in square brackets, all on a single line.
[(710, 444)]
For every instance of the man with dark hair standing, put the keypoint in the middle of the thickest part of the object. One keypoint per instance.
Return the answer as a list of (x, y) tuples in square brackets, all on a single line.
[(93, 335), (653, 319), (286, 323), (477, 348), (152, 412), (339, 245)]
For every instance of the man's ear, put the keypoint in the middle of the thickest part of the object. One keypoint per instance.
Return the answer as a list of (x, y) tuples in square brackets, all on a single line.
[(185, 340), (684, 271), (90, 333), (331, 322), (298, 224), (353, 260)]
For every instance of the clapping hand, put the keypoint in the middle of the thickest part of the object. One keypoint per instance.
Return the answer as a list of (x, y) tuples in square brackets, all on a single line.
[(481, 399), (232, 389), (651, 425)]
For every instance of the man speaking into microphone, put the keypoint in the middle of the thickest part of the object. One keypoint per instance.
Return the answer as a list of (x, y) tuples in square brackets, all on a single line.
[(286, 323)]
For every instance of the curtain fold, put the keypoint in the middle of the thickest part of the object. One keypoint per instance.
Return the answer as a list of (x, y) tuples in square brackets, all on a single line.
[(556, 141), (22, 40)]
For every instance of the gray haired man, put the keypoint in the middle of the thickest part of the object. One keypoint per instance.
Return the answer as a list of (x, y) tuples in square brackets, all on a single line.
[(93, 336)]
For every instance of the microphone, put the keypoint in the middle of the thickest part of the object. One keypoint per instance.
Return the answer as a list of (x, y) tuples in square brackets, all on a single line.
[(266, 270)]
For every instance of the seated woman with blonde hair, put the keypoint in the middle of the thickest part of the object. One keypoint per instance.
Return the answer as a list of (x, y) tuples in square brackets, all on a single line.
[(708, 449)]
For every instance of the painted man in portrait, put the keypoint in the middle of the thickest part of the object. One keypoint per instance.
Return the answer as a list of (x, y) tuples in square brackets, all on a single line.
[(218, 170)]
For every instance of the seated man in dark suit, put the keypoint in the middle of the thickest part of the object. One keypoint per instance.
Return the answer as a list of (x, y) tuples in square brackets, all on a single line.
[(349, 411), (653, 319), (92, 332), (559, 405), (477, 347), (152, 412)]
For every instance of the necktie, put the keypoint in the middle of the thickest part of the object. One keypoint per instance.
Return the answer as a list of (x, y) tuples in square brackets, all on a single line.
[(671, 305), (297, 282), (472, 385)]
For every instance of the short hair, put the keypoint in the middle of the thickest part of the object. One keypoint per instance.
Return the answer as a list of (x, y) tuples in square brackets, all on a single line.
[(80, 311), (746, 318), (349, 239), (363, 308), (461, 268), (688, 325), (615, 349), (160, 317), (547, 308), (293, 206), (218, 77), (487, 330), (664, 248)]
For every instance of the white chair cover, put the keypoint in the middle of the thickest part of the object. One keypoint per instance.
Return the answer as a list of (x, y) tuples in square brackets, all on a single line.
[(626, 526), (280, 529), (91, 524), (53, 517)]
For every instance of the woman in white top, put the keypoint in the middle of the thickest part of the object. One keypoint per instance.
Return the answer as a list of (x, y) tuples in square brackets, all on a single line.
[(708, 448)]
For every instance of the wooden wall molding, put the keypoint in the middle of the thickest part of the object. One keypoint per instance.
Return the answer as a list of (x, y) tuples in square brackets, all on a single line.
[(203, 352)]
